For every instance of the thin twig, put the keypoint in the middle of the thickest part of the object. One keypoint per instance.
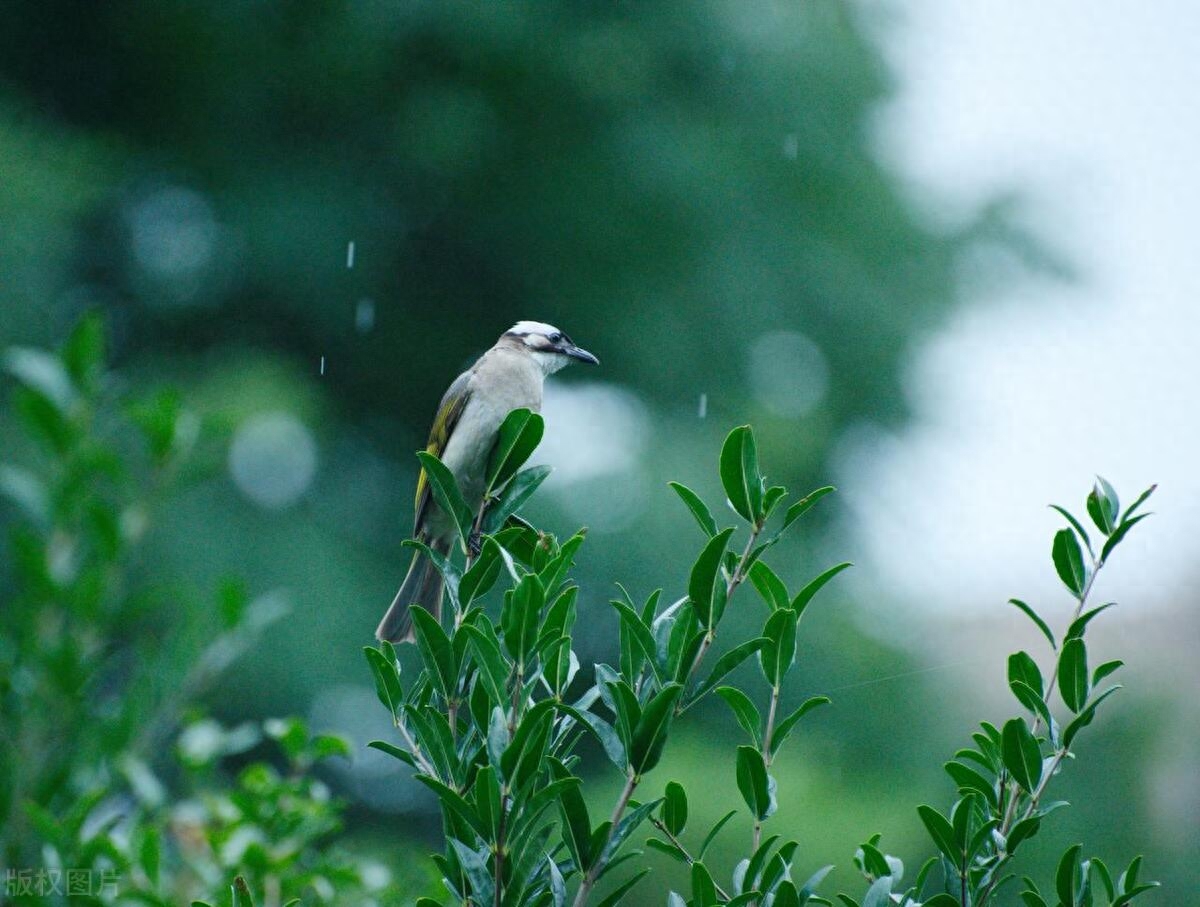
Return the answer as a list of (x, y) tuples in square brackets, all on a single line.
[(589, 880)]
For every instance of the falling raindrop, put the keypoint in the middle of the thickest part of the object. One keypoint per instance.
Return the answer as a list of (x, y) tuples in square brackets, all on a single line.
[(703, 412), (364, 315), (791, 146), (350, 254), (322, 365)]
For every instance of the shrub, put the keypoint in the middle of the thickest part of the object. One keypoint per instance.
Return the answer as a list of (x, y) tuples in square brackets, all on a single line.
[(493, 719)]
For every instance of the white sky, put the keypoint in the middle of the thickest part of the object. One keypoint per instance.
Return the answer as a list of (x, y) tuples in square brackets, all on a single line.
[(1093, 110)]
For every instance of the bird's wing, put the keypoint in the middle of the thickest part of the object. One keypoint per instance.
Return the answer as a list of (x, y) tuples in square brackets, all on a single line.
[(454, 401)]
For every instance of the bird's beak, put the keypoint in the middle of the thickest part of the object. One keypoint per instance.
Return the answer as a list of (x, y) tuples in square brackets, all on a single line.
[(577, 352)]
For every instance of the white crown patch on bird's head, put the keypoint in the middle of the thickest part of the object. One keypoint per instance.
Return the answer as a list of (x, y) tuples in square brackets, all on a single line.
[(552, 347)]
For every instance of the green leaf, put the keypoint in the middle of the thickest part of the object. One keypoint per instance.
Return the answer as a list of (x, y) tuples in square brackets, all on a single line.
[(726, 664), (650, 734), (712, 835), (1023, 668), (706, 571), (769, 586), (1066, 879), (437, 653), (968, 780), (779, 651), (1080, 623), (454, 804), (802, 506), (675, 808), (519, 435), (786, 895), (447, 494), (83, 352), (698, 508), (1022, 831), (480, 576), (515, 494), (1073, 674), (941, 833), (704, 890), (520, 615), (1141, 499), (387, 679), (1118, 535), (1105, 670), (1021, 753), (1033, 616), (1030, 698), (805, 595), (394, 751), (1075, 524), (640, 634), (493, 669), (752, 782), (621, 890), (1109, 501), (1068, 561), (785, 727), (577, 828), (1085, 716), (744, 710), (739, 473)]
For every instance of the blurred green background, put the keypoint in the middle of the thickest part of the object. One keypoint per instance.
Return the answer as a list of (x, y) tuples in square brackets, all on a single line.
[(310, 216)]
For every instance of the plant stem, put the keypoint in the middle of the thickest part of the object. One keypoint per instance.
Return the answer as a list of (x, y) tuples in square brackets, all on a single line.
[(766, 754), (721, 893), (589, 880)]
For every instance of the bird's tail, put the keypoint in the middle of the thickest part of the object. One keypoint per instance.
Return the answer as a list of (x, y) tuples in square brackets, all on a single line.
[(422, 587)]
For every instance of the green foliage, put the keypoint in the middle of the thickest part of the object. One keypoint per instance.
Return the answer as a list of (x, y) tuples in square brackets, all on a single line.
[(101, 771), (499, 766)]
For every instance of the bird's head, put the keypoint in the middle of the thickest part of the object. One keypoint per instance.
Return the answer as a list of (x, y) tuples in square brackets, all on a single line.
[(549, 347)]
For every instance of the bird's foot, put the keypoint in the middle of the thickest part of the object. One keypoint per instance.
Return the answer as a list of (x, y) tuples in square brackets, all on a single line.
[(475, 543)]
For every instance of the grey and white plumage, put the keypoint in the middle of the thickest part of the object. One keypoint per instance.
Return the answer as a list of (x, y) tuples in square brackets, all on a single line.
[(508, 376)]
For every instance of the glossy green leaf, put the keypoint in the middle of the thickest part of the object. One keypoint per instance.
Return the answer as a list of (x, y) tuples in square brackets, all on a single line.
[(779, 651), (1075, 524), (705, 575), (744, 710), (519, 490), (1118, 535), (696, 507), (739, 473), (769, 586), (969, 780), (803, 505), (1068, 561), (675, 808), (726, 664), (941, 833), (387, 679), (1021, 753), (1067, 877), (446, 494), (650, 734), (752, 781), (785, 727), (1037, 620), (1085, 717), (1079, 625), (1073, 682), (437, 653), (805, 595), (519, 435), (520, 616), (1022, 667)]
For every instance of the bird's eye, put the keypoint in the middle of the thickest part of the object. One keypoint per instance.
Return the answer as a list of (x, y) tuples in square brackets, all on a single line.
[(556, 337)]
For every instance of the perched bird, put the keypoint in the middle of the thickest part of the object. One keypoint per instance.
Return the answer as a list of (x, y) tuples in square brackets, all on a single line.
[(508, 376)]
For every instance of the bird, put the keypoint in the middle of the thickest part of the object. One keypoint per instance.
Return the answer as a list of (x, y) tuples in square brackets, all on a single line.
[(508, 376)]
